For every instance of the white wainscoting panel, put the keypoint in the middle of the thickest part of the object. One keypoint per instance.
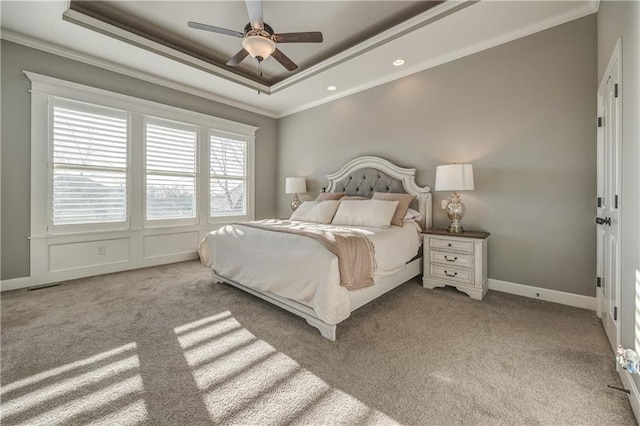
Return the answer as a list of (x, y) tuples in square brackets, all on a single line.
[(170, 244), (561, 297), (87, 254)]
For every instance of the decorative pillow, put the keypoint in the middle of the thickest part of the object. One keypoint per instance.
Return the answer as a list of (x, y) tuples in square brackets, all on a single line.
[(316, 211), (412, 215), (403, 204), (377, 213), (324, 196)]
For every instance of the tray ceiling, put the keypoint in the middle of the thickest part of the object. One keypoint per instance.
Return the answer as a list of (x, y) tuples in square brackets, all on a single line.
[(343, 23), (150, 40)]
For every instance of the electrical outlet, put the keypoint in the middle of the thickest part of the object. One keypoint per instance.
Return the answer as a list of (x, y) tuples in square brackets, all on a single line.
[(102, 250), (443, 204)]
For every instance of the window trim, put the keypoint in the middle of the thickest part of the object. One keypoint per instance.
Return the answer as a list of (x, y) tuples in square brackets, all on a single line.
[(44, 87)]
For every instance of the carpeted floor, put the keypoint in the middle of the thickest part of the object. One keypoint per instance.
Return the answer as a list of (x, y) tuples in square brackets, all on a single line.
[(165, 345)]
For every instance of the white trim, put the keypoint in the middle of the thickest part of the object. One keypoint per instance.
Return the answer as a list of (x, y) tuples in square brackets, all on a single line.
[(555, 296), (629, 383), (130, 72), (15, 283)]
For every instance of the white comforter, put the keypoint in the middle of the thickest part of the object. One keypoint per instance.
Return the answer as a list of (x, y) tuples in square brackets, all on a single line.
[(298, 267)]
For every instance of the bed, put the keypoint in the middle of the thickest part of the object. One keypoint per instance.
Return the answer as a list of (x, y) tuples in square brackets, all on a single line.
[(298, 274)]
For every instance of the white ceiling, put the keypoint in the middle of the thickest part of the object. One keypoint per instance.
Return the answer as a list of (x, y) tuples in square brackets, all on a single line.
[(446, 32)]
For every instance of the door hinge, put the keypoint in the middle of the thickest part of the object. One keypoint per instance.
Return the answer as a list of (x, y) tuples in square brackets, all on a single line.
[(615, 90), (598, 282), (615, 201), (615, 313), (599, 121), (599, 201)]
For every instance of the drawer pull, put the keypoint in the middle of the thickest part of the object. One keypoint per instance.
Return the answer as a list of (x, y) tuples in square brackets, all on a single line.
[(450, 275), (450, 260), (449, 244)]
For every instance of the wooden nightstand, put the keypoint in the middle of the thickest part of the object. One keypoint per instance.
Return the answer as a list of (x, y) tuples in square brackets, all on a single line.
[(458, 260)]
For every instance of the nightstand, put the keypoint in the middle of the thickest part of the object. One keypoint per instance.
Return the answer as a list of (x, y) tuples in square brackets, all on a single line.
[(457, 260)]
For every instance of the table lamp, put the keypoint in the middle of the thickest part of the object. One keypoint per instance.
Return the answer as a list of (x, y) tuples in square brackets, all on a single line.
[(454, 177), (295, 186)]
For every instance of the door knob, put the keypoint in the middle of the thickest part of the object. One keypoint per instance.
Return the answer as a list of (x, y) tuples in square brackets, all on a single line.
[(603, 221)]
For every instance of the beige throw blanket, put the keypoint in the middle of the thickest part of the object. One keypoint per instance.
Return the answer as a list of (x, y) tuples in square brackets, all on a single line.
[(355, 252)]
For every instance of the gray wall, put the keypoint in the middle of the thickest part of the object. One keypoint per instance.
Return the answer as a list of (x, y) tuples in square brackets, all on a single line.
[(522, 113), (15, 166), (622, 19)]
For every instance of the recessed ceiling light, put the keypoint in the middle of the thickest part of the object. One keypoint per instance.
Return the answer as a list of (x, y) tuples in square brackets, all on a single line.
[(331, 88), (398, 62)]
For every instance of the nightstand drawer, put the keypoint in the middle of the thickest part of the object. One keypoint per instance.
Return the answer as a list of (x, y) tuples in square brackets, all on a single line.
[(454, 259), (464, 276), (449, 244)]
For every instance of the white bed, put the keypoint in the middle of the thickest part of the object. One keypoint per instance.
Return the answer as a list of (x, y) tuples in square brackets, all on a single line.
[(298, 274)]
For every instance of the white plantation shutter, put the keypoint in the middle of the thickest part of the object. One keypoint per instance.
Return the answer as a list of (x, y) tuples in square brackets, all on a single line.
[(89, 164), (228, 177), (170, 170)]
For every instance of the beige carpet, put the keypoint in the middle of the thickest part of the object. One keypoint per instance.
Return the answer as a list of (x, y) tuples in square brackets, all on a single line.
[(165, 345)]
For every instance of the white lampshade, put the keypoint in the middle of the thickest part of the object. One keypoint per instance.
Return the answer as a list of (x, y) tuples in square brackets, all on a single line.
[(454, 177), (258, 46), (295, 185)]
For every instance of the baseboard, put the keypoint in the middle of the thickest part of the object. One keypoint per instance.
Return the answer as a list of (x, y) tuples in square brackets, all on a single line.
[(634, 397), (561, 297), (15, 283)]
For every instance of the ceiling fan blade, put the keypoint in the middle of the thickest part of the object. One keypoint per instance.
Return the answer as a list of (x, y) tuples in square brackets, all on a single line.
[(308, 37), (284, 60), (235, 61), (254, 8), (205, 27)]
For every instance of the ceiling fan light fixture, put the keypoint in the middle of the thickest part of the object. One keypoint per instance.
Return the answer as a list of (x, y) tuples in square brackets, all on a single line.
[(259, 47)]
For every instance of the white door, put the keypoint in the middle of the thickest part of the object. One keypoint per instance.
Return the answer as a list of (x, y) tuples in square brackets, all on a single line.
[(608, 211)]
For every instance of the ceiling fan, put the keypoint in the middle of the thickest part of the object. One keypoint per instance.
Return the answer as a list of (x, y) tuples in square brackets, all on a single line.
[(259, 40)]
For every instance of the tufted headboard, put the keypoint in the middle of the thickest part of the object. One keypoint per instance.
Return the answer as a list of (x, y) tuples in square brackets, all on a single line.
[(365, 175)]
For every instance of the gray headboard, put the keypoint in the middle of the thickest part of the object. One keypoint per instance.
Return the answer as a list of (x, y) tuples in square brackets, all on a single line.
[(366, 181), (365, 175)]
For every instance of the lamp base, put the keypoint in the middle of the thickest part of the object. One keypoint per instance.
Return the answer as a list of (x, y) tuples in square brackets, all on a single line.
[(455, 212), (295, 203), (455, 227)]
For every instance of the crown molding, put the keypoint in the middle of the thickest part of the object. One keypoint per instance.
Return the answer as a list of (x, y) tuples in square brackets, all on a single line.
[(587, 9), (128, 71)]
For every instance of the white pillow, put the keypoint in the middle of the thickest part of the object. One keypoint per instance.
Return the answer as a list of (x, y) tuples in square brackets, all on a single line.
[(412, 215), (376, 213), (316, 211)]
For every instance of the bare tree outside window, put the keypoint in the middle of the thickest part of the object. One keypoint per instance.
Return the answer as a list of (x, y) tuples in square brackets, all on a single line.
[(227, 177)]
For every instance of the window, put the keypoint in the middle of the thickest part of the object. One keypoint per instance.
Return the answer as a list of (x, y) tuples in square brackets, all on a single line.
[(227, 176), (89, 170), (104, 161), (170, 170)]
